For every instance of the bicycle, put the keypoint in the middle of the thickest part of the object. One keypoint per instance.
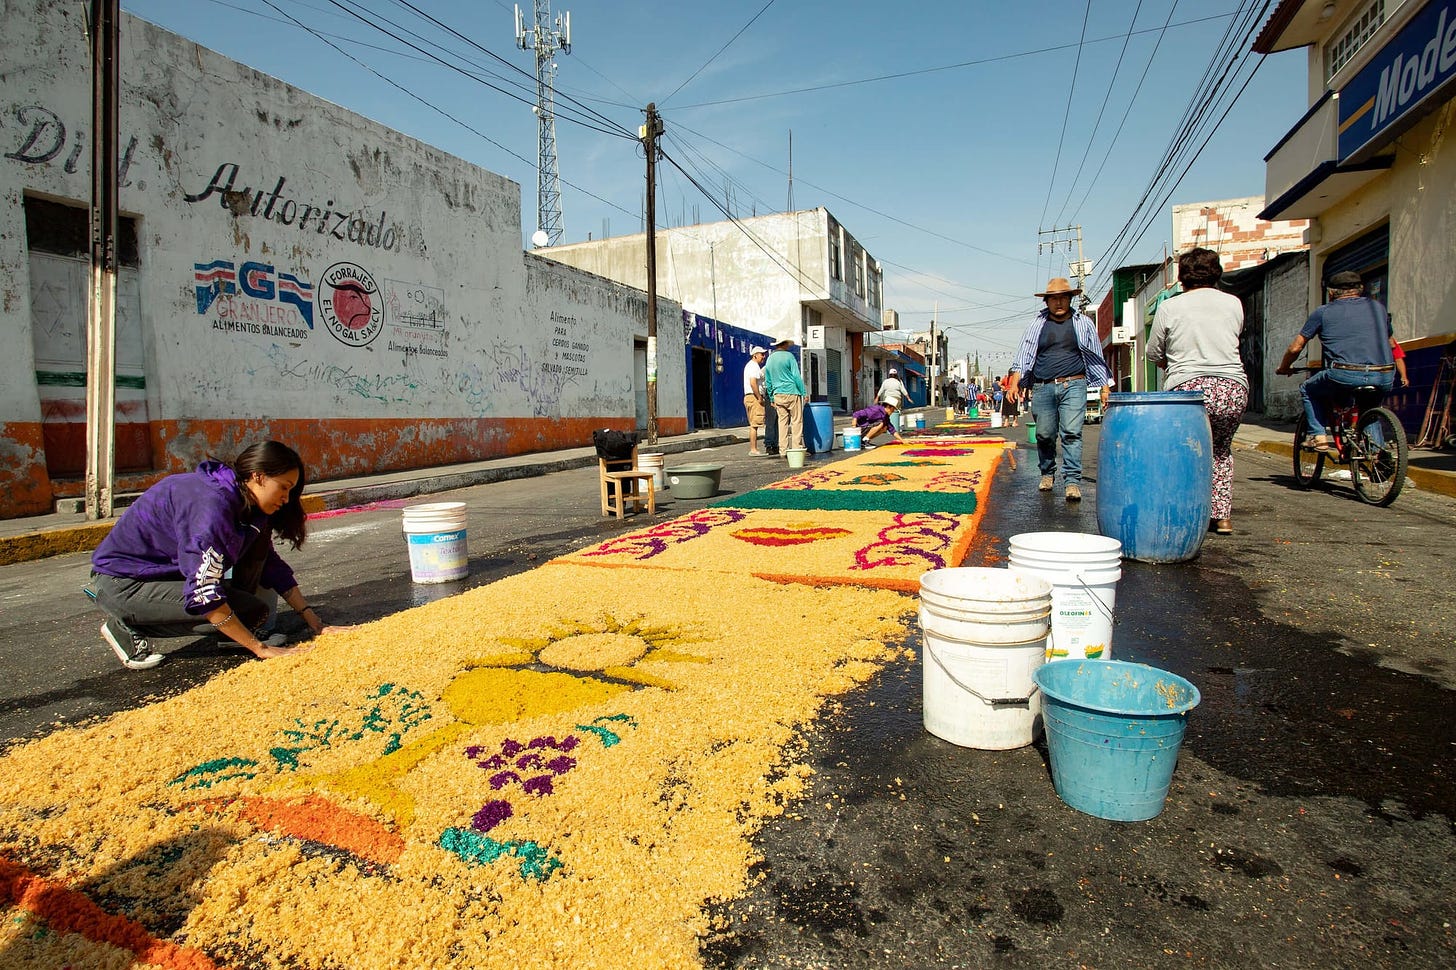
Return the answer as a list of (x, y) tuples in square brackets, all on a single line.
[(1367, 437)]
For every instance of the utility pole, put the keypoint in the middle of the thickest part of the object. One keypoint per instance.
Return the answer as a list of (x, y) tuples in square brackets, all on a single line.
[(1079, 268), (650, 132), (101, 316), (545, 40), (930, 394)]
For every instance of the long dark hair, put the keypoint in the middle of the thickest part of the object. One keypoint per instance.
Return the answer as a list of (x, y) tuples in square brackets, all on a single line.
[(274, 458)]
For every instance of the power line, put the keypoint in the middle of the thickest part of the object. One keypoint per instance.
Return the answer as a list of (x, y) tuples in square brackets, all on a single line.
[(944, 67), (710, 60), (1066, 114)]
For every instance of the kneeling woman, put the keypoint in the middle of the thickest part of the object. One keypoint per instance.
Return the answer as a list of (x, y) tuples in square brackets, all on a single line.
[(159, 573)]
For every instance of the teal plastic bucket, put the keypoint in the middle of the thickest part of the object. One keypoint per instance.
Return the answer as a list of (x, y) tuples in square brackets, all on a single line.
[(1031, 432), (1112, 731)]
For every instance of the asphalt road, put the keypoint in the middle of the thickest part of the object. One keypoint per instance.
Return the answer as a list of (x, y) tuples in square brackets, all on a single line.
[(1310, 819)]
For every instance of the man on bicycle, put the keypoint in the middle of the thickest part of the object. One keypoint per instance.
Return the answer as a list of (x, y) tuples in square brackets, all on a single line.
[(1357, 346)]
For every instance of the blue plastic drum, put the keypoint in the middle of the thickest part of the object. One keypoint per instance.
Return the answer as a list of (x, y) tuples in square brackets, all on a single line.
[(819, 428), (1155, 474)]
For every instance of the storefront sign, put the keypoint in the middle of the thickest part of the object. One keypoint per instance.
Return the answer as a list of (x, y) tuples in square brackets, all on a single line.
[(1407, 75)]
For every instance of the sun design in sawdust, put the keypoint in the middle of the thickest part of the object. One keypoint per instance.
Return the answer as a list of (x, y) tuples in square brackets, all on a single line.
[(568, 665)]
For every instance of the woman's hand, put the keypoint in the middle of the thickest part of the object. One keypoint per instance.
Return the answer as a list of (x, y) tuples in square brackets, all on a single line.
[(264, 652)]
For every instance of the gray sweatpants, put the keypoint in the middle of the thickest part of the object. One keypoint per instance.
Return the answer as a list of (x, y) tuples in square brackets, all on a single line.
[(153, 607)]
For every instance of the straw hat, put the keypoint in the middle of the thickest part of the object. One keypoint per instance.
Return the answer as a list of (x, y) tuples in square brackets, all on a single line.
[(1060, 286)]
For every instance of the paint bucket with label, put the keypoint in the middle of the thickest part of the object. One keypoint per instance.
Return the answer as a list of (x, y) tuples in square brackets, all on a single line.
[(1083, 570), (656, 463), (985, 636), (436, 536), (852, 439)]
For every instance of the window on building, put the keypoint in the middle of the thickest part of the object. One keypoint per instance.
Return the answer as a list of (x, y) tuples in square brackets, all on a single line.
[(836, 252), (1351, 37), (65, 230), (876, 282), (857, 265)]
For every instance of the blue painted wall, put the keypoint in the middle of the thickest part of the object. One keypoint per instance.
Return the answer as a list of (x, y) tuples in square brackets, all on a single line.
[(732, 345)]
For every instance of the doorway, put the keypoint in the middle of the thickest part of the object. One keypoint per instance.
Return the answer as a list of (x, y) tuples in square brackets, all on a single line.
[(701, 393)]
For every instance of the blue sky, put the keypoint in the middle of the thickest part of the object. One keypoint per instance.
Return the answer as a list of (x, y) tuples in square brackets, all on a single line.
[(945, 135)]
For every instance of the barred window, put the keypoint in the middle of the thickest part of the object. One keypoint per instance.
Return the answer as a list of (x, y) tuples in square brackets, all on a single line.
[(1357, 30)]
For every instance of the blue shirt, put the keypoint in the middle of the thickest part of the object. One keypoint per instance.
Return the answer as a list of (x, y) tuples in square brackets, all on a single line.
[(1087, 345), (781, 375), (1354, 330)]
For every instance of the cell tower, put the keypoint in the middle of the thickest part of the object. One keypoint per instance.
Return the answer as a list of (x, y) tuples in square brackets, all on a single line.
[(545, 40)]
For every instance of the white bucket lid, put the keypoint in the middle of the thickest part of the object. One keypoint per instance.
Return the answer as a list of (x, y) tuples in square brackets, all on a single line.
[(984, 584), (1064, 544)]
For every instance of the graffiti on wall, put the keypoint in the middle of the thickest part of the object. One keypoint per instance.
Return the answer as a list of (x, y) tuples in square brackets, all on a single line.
[(355, 225), (253, 298), (416, 319), (44, 137)]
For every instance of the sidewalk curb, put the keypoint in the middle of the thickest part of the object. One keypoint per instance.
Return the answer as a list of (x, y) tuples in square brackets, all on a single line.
[(87, 535), (1426, 481)]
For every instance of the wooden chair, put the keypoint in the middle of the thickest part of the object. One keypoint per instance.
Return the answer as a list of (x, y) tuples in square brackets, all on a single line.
[(622, 482)]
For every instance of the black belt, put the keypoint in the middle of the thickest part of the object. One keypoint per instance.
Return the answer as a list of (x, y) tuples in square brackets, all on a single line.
[(1376, 367), (1068, 380)]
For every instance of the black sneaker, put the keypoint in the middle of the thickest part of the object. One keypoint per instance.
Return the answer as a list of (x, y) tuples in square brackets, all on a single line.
[(132, 650)]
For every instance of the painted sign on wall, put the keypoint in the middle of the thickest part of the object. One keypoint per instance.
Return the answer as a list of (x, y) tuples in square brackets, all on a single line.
[(1412, 71)]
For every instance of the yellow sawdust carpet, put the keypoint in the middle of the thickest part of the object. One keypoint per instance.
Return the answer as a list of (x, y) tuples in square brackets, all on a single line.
[(557, 770)]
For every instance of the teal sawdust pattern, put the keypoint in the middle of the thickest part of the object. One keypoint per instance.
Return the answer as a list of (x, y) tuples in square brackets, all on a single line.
[(536, 862), (850, 500)]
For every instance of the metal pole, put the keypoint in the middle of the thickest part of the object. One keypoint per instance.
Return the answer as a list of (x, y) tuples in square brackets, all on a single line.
[(101, 315), (650, 131)]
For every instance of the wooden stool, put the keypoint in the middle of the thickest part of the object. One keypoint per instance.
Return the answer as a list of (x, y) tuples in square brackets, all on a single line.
[(622, 482)]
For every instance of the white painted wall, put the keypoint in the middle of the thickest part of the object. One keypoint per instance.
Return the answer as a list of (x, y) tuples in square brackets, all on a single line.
[(413, 299)]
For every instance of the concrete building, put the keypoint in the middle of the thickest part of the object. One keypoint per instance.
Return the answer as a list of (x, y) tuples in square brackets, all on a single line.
[(289, 270), (794, 274), (1371, 164), (1245, 241)]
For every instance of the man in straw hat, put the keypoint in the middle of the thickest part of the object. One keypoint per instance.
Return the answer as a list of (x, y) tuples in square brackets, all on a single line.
[(784, 385), (1059, 358)]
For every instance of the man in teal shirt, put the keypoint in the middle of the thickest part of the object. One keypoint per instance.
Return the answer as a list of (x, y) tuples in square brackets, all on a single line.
[(784, 386)]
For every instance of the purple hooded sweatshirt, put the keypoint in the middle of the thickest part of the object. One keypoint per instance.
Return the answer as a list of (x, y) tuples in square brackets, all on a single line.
[(190, 527)]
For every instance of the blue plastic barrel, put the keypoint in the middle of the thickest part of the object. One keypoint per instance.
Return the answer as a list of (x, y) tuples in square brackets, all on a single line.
[(1113, 730), (1155, 474), (819, 428)]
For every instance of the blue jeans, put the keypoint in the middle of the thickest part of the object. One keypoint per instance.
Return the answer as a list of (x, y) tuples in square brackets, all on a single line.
[(1059, 409), (1332, 386)]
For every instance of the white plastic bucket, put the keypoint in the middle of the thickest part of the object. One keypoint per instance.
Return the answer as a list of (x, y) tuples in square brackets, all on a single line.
[(996, 419), (985, 636), (852, 439), (917, 421), (436, 536), (656, 463), (1083, 570), (796, 457)]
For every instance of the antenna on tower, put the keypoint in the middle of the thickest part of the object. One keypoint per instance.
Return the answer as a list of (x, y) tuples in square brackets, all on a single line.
[(545, 40)]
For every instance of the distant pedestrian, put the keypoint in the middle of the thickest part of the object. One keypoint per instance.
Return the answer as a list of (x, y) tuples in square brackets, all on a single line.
[(891, 392), (160, 571), (1010, 402), (753, 396), (784, 385), (1195, 337), (1061, 356)]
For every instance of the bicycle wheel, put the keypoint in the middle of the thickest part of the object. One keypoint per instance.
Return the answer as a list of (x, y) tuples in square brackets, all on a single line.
[(1378, 457), (1308, 463)]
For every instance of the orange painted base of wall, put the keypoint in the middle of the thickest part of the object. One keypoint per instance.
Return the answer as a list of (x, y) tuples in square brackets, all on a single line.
[(331, 448), (25, 488)]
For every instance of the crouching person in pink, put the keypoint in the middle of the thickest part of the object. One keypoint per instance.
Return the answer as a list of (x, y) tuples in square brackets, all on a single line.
[(874, 421), (160, 572)]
